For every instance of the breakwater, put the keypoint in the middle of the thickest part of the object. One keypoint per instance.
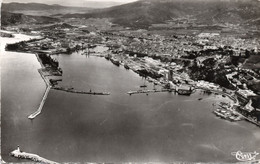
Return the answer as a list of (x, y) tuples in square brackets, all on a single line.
[(149, 91), (34, 157), (39, 110), (48, 88), (71, 90)]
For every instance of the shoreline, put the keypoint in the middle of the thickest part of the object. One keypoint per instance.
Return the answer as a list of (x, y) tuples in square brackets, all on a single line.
[(50, 86), (221, 93), (46, 78), (17, 153)]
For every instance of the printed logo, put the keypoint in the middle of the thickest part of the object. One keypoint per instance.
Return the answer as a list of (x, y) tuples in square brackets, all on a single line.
[(245, 156)]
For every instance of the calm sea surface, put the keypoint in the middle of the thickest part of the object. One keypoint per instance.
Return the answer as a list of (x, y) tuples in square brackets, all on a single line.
[(161, 127)]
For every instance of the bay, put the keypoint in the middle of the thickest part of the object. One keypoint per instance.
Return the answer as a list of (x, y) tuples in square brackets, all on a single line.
[(160, 127)]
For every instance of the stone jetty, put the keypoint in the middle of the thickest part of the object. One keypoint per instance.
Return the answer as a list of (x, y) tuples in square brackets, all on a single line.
[(34, 157)]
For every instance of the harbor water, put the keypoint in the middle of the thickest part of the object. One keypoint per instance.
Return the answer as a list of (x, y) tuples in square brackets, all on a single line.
[(158, 127)]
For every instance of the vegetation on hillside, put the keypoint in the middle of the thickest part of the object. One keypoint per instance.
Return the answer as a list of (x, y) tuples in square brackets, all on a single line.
[(8, 18), (147, 12)]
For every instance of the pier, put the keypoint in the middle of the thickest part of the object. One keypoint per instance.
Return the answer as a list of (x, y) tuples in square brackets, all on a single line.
[(39, 110), (34, 157), (71, 90), (149, 91)]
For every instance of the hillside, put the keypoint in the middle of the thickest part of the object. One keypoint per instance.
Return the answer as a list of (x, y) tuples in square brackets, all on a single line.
[(38, 9), (143, 13), (8, 18)]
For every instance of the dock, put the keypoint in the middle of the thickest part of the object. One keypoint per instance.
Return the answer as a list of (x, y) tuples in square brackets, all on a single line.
[(227, 114), (39, 110), (71, 90), (34, 157)]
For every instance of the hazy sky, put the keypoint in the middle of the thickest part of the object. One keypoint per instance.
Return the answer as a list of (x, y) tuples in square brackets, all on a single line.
[(69, 2), (77, 1)]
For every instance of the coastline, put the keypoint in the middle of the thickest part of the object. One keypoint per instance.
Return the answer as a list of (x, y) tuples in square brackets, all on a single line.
[(48, 86), (41, 73)]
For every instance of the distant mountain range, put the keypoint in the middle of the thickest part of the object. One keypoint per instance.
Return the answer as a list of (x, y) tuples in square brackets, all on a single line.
[(78, 3), (144, 13), (41, 9), (14, 6), (20, 13), (8, 18)]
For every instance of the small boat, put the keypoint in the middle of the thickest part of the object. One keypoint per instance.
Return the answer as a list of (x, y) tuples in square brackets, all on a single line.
[(232, 118), (107, 57), (149, 80), (92, 46), (184, 90), (200, 99), (220, 114), (115, 61), (143, 86), (126, 66)]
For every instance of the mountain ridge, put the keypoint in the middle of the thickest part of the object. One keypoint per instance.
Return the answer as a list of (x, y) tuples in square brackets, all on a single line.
[(33, 6), (40, 9), (8, 18), (144, 13)]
